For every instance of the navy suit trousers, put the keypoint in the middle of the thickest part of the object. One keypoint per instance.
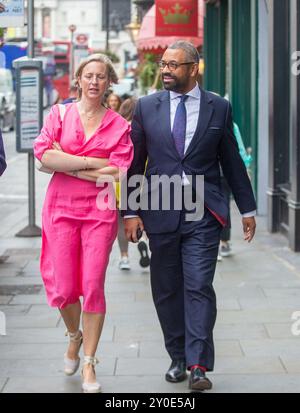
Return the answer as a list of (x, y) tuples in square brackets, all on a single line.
[(182, 271)]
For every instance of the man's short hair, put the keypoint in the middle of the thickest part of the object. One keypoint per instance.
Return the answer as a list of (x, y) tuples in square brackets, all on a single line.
[(191, 52)]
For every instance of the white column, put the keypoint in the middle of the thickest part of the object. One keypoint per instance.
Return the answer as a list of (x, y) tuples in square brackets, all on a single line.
[(38, 23), (53, 25)]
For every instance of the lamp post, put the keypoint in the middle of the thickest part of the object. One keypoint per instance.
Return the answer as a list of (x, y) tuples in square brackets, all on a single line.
[(107, 25), (72, 29), (31, 230), (133, 29)]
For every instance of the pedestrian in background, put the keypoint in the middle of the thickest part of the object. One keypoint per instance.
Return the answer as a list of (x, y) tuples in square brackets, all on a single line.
[(225, 249), (73, 93), (127, 110), (114, 102), (90, 144), (2, 156)]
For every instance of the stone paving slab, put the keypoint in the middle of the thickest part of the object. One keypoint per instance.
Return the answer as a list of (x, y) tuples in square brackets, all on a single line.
[(228, 304), (291, 302), (41, 309), (156, 349), (117, 298), (143, 332), (56, 350), (253, 315), (281, 330), (249, 365), (224, 365), (126, 278), (11, 272), (33, 265), (15, 309), (5, 299), (291, 364), (270, 383), (28, 299), (238, 290), (20, 281), (125, 288), (240, 331), (271, 347), (41, 298), (40, 321), (282, 292), (46, 335), (143, 366), (3, 381), (253, 383), (131, 319), (47, 385), (48, 368), (248, 276), (133, 307), (116, 384)]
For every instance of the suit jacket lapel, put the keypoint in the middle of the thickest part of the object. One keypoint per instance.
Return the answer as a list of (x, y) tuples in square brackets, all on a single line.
[(206, 111), (164, 121)]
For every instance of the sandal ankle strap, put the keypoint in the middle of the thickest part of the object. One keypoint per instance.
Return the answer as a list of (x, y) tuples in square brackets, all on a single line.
[(90, 360), (77, 336)]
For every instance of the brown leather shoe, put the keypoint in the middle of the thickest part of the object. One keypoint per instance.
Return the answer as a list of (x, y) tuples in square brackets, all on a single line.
[(199, 381)]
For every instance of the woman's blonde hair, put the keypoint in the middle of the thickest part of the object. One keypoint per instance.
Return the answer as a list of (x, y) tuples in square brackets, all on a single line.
[(101, 58)]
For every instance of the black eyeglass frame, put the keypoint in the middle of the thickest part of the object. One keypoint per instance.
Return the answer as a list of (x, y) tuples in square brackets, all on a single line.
[(176, 65)]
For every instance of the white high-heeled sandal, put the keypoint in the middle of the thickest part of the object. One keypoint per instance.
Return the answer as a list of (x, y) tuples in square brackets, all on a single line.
[(90, 387), (71, 366)]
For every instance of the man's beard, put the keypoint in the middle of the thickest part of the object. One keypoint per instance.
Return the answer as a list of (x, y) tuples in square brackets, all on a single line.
[(176, 85)]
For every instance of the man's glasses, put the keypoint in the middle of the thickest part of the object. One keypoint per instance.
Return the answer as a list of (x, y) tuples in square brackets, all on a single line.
[(173, 65)]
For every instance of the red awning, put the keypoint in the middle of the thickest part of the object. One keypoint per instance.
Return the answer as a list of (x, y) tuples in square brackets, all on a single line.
[(147, 39)]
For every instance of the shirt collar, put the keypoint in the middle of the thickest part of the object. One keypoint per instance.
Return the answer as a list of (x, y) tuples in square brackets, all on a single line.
[(194, 93)]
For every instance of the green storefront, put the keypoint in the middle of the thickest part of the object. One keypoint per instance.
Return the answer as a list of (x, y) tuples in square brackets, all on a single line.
[(248, 49), (230, 54)]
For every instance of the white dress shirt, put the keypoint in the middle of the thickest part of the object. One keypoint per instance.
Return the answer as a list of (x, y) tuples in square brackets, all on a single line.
[(192, 105)]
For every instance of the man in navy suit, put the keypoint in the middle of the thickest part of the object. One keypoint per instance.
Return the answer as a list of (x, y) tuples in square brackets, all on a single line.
[(187, 132), (2, 156)]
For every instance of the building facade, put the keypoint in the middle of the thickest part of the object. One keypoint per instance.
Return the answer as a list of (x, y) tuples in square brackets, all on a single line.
[(249, 49), (53, 18)]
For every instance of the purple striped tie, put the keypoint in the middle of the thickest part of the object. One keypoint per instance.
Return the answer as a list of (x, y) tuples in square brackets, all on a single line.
[(179, 127)]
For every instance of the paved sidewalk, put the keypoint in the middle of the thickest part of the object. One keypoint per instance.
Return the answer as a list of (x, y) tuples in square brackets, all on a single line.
[(258, 290)]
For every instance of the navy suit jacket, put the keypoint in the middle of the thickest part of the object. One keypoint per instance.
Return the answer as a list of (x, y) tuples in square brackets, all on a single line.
[(213, 144), (2, 156)]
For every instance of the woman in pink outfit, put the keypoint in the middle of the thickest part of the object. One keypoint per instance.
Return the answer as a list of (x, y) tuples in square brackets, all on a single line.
[(90, 144)]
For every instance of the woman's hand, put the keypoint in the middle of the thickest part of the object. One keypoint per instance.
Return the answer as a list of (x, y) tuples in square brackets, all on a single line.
[(57, 146), (93, 163)]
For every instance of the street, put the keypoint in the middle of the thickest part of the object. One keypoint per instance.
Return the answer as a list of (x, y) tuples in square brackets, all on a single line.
[(257, 288)]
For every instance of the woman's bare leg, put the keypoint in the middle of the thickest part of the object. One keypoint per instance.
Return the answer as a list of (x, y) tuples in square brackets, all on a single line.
[(71, 316), (92, 328)]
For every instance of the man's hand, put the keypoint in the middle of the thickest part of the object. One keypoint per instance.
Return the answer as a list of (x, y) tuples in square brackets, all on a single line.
[(131, 226), (249, 226)]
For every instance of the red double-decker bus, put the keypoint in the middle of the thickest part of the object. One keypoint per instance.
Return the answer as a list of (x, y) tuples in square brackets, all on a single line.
[(62, 55)]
